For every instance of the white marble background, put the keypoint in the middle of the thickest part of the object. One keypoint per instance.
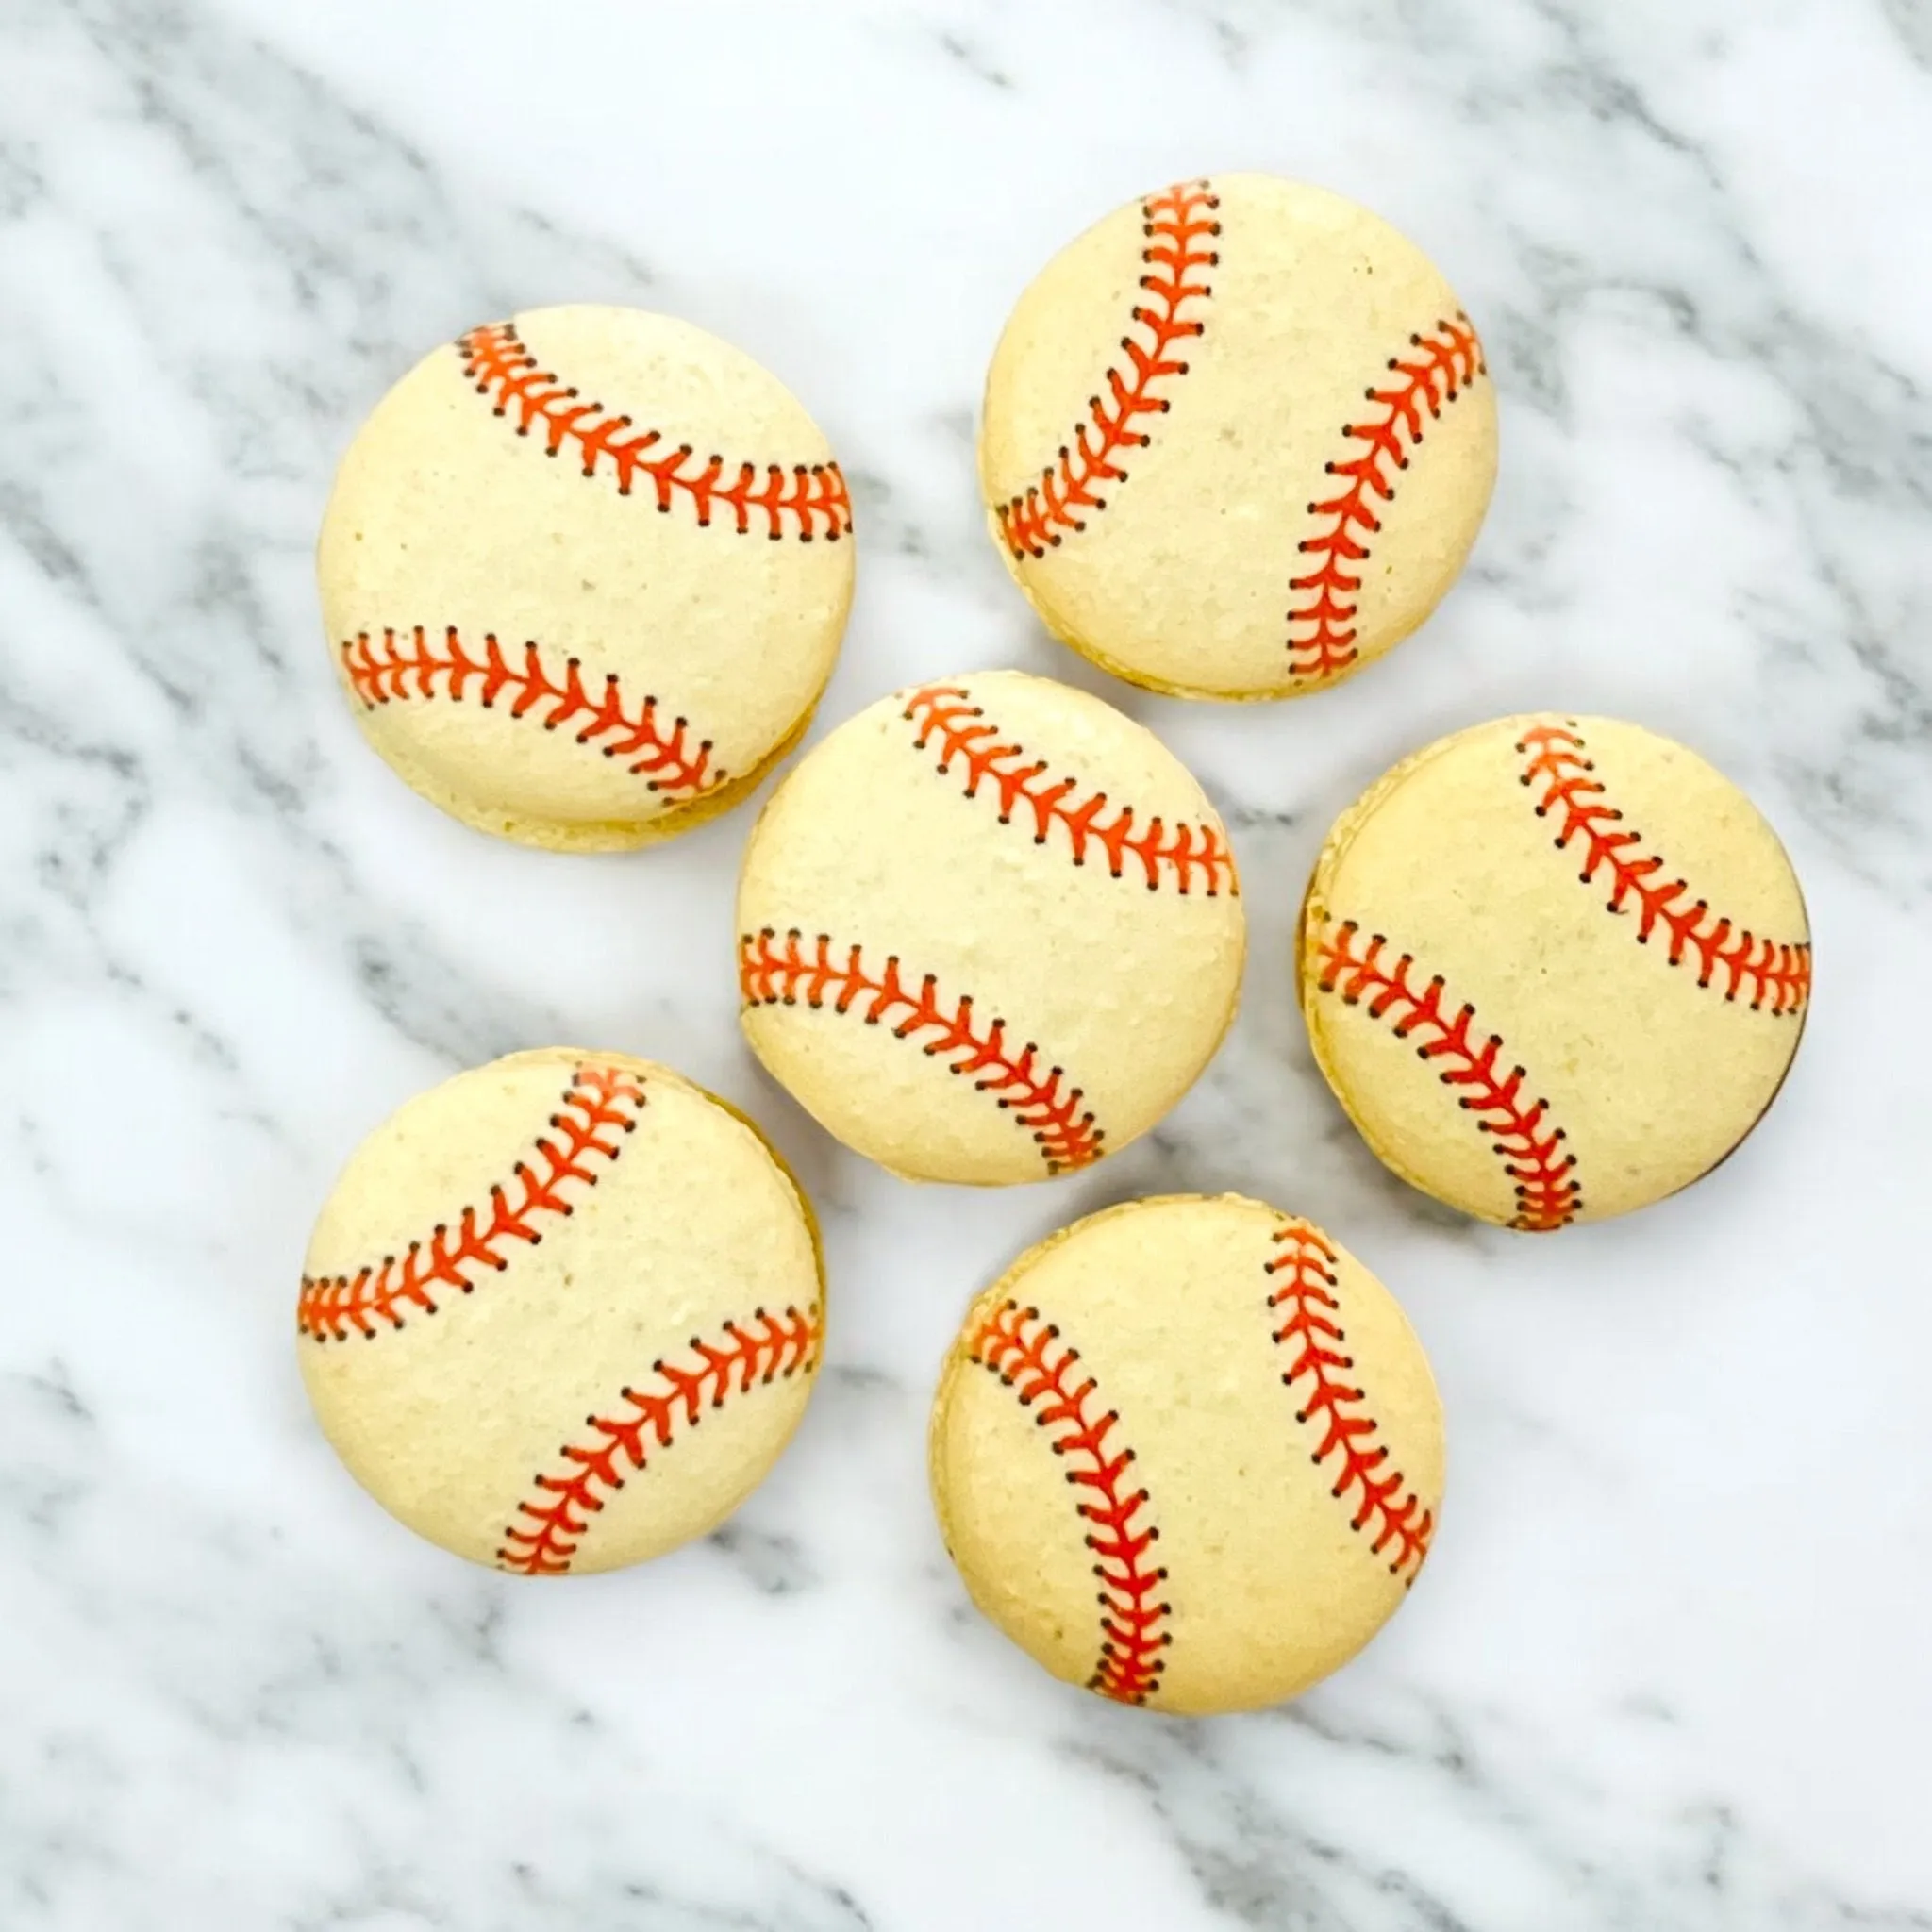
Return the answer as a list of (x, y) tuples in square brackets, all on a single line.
[(1671, 1665)]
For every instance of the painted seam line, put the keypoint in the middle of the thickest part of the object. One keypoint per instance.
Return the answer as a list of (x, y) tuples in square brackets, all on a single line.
[(1302, 1277), (1177, 223), (410, 666), (806, 500), (1322, 624), (1179, 855), (551, 1523), (775, 971), (1027, 1354), (1769, 975), (598, 1109), (1366, 970)]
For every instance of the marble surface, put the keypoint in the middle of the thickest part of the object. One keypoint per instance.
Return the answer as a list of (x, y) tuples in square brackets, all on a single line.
[(1669, 1668)]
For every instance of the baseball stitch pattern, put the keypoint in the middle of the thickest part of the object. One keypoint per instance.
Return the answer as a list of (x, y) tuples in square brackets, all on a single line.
[(1303, 1279), (1027, 1356), (598, 1109), (781, 973), (1322, 624), (1180, 855), (408, 665), (809, 500), (1767, 973), (1548, 1195), (1176, 222), (550, 1525)]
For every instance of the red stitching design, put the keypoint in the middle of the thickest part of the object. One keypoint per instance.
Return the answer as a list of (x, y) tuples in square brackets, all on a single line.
[(555, 1518), (1048, 1105), (1450, 359), (1177, 852), (1547, 1194), (812, 495), (1772, 970), (600, 1105), (1313, 1326), (407, 664), (1174, 221), (1014, 1344)]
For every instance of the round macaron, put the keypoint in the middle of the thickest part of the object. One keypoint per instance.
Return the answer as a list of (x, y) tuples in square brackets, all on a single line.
[(530, 1288), (989, 930), (1553, 968), (1188, 1452), (1238, 439), (584, 575)]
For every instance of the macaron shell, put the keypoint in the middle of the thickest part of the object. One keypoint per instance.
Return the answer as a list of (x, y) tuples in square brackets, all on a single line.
[(1308, 307), (687, 1230), (1263, 1579), (1118, 988), (1465, 862), (633, 668)]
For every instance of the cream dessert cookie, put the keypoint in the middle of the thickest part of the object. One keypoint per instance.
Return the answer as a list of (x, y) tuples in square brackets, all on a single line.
[(1237, 439), (1553, 968), (990, 930), (584, 575), (532, 1285), (1188, 1452)]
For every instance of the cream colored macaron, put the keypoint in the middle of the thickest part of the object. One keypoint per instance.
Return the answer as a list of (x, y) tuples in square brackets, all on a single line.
[(989, 930), (1238, 439), (530, 1288), (584, 575), (1188, 1452), (1553, 968)]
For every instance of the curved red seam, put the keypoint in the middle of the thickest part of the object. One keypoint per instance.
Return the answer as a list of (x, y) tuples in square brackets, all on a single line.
[(1450, 361), (1014, 1344), (1313, 1326), (1174, 223), (552, 1522), (599, 1104), (1547, 1194), (1779, 971), (496, 361), (1176, 854), (1047, 1105), (407, 664)]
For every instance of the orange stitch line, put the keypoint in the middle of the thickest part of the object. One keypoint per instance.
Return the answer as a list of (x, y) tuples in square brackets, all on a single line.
[(1451, 360), (1015, 1345), (1547, 1194), (812, 494), (1047, 1105), (1314, 1325), (1777, 971), (1176, 853), (555, 1520), (1172, 222), (407, 665), (599, 1104)]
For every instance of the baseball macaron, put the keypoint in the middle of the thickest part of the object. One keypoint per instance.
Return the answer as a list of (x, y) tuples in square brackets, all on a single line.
[(989, 930), (1553, 968), (1188, 1452), (561, 1312), (584, 575), (1238, 439)]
